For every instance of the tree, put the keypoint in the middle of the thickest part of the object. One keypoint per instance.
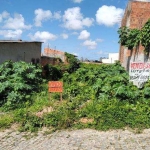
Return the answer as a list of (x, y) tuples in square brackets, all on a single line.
[(74, 63)]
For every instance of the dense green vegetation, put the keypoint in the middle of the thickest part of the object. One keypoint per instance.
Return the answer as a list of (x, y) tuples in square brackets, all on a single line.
[(18, 81), (132, 38), (52, 72), (95, 96), (73, 63)]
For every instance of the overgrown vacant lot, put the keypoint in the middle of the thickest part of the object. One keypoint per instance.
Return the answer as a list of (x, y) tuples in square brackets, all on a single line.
[(95, 96)]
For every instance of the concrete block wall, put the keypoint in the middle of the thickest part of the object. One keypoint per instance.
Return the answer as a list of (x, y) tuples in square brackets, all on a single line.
[(20, 51)]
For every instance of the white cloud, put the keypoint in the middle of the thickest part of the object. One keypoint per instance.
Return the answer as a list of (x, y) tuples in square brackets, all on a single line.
[(77, 1), (64, 36), (41, 15), (99, 40), (42, 36), (15, 23), (74, 33), (84, 35), (74, 20), (76, 54), (109, 15), (11, 33), (90, 44), (4, 15), (1, 18), (57, 15), (12, 26), (87, 22)]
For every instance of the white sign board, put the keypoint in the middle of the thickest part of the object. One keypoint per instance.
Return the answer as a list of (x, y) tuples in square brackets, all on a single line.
[(139, 72)]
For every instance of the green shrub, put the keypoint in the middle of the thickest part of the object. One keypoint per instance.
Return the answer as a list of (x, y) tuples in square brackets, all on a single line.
[(6, 120), (52, 73), (74, 63), (63, 117), (17, 83), (101, 93)]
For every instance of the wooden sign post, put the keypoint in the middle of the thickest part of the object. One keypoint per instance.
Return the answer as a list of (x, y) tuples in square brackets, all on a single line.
[(55, 86)]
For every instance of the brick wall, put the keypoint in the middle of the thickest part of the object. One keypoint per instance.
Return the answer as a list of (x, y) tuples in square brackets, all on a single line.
[(140, 13), (136, 15), (55, 53), (49, 60)]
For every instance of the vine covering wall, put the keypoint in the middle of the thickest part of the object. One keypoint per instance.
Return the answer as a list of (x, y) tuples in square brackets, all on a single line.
[(136, 15)]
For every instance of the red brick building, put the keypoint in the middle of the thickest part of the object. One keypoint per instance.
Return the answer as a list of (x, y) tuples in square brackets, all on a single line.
[(136, 15), (51, 56), (54, 53), (54, 57)]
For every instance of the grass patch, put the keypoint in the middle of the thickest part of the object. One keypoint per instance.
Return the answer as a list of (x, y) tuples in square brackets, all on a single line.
[(6, 120)]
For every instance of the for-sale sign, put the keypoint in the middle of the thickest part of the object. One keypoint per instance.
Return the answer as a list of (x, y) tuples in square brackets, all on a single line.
[(139, 71)]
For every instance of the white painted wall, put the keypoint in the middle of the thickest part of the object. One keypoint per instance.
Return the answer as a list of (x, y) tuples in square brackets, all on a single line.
[(112, 58)]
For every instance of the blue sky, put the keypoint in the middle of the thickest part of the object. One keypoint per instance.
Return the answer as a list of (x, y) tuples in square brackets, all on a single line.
[(86, 28)]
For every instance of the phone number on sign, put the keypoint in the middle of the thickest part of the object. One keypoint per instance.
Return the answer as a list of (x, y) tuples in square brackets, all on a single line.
[(139, 77)]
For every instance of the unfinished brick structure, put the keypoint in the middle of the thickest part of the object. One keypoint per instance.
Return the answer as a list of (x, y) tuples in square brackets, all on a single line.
[(54, 53), (51, 56), (136, 15)]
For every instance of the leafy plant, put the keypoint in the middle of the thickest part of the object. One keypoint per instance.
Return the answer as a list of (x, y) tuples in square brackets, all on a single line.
[(6, 120), (17, 82), (99, 93), (74, 63), (129, 38), (52, 72), (132, 38), (145, 36)]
